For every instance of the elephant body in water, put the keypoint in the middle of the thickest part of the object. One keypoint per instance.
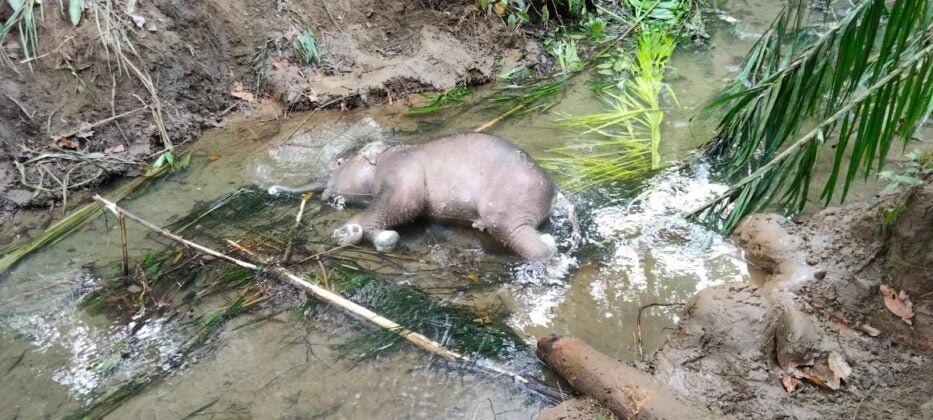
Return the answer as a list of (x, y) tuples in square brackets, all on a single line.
[(477, 178)]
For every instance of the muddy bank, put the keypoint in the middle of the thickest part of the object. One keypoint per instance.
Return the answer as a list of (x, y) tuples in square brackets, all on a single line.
[(812, 337), (209, 58)]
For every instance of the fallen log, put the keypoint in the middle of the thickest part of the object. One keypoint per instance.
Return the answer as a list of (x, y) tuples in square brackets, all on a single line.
[(628, 392)]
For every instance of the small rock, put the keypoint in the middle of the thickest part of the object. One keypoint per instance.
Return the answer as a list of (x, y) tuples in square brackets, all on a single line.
[(134, 289), (19, 197), (812, 260), (820, 275)]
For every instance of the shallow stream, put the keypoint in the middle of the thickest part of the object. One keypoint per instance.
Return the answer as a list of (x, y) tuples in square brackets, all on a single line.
[(639, 250)]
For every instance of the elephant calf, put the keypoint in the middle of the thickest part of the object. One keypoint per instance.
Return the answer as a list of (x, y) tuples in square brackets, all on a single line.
[(473, 177)]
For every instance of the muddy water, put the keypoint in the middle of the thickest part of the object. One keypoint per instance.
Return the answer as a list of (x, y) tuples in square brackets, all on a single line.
[(638, 250)]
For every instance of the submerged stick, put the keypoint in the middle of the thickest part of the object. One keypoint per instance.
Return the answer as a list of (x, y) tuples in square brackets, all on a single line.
[(123, 248), (291, 240), (335, 299), (638, 341)]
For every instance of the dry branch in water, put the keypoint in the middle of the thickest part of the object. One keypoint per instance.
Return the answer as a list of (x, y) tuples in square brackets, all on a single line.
[(335, 299)]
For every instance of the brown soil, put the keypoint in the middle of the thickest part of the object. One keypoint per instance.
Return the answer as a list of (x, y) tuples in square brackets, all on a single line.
[(817, 285), (197, 53)]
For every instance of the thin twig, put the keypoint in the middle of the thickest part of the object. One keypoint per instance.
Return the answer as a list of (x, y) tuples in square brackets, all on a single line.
[(638, 341), (123, 248), (21, 107), (353, 308), (97, 124), (291, 239), (315, 110), (326, 9)]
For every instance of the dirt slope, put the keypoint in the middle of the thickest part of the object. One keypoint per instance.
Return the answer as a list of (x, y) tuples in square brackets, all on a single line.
[(197, 53), (818, 285)]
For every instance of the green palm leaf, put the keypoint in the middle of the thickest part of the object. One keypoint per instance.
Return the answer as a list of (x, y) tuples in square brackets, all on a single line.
[(861, 83)]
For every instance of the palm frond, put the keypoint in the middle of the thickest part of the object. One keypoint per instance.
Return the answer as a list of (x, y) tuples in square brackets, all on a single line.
[(861, 83), (624, 141)]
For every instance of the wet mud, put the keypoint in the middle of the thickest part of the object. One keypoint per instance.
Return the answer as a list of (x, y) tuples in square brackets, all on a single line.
[(811, 336)]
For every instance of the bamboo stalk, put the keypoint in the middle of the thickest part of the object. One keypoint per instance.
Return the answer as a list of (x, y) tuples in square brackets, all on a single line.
[(353, 308)]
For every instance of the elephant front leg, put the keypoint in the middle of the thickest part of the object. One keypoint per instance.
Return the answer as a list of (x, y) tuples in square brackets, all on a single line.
[(374, 223)]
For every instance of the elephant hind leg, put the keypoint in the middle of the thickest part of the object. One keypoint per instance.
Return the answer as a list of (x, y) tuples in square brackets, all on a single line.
[(528, 242)]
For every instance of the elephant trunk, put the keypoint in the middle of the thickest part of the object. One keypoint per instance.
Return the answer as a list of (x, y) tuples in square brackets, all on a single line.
[(314, 186)]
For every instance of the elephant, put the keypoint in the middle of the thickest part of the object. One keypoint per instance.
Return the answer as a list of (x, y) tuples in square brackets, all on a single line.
[(475, 178)]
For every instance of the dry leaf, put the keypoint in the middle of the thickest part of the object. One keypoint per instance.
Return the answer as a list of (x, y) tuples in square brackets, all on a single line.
[(837, 364), (115, 149), (240, 93), (473, 277), (898, 303), (213, 157), (280, 63), (482, 317), (788, 382), (839, 321), (66, 143), (872, 331), (499, 8)]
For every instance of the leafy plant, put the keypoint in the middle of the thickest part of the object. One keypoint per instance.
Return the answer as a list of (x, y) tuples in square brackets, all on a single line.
[(441, 101), (860, 85), (625, 140), (23, 19), (567, 57), (918, 166), (305, 47)]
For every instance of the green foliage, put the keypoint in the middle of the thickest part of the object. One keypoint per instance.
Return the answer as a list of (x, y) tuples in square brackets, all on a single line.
[(75, 9), (306, 49), (167, 159), (23, 19), (468, 330), (918, 166), (862, 84), (441, 101), (624, 141), (567, 57)]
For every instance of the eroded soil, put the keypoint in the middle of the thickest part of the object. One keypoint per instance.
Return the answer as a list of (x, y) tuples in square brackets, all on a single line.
[(207, 59), (810, 321)]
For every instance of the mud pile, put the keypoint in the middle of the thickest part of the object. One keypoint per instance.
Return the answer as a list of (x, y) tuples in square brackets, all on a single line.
[(209, 58), (813, 337)]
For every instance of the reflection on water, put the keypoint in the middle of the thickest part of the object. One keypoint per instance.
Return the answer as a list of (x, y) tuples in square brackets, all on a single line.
[(637, 250)]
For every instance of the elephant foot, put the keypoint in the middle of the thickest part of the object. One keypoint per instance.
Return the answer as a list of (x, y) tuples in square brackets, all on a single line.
[(386, 240), (348, 234)]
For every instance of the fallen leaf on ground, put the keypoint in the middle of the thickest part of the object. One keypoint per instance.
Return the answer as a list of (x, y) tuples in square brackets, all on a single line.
[(67, 143), (115, 149), (898, 303), (473, 277), (788, 382), (240, 93), (213, 157), (482, 317), (280, 63), (872, 331), (839, 321), (83, 134), (839, 366), (499, 8)]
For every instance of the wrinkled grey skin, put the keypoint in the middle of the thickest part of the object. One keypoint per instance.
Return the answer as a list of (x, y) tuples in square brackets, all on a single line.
[(473, 177)]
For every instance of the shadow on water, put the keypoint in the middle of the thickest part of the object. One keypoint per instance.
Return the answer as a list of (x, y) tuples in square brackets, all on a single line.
[(283, 362)]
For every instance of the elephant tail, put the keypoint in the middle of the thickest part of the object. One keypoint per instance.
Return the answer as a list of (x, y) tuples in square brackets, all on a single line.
[(563, 203)]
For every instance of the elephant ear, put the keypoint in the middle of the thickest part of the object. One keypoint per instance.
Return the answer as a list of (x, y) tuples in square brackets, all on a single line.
[(371, 151)]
